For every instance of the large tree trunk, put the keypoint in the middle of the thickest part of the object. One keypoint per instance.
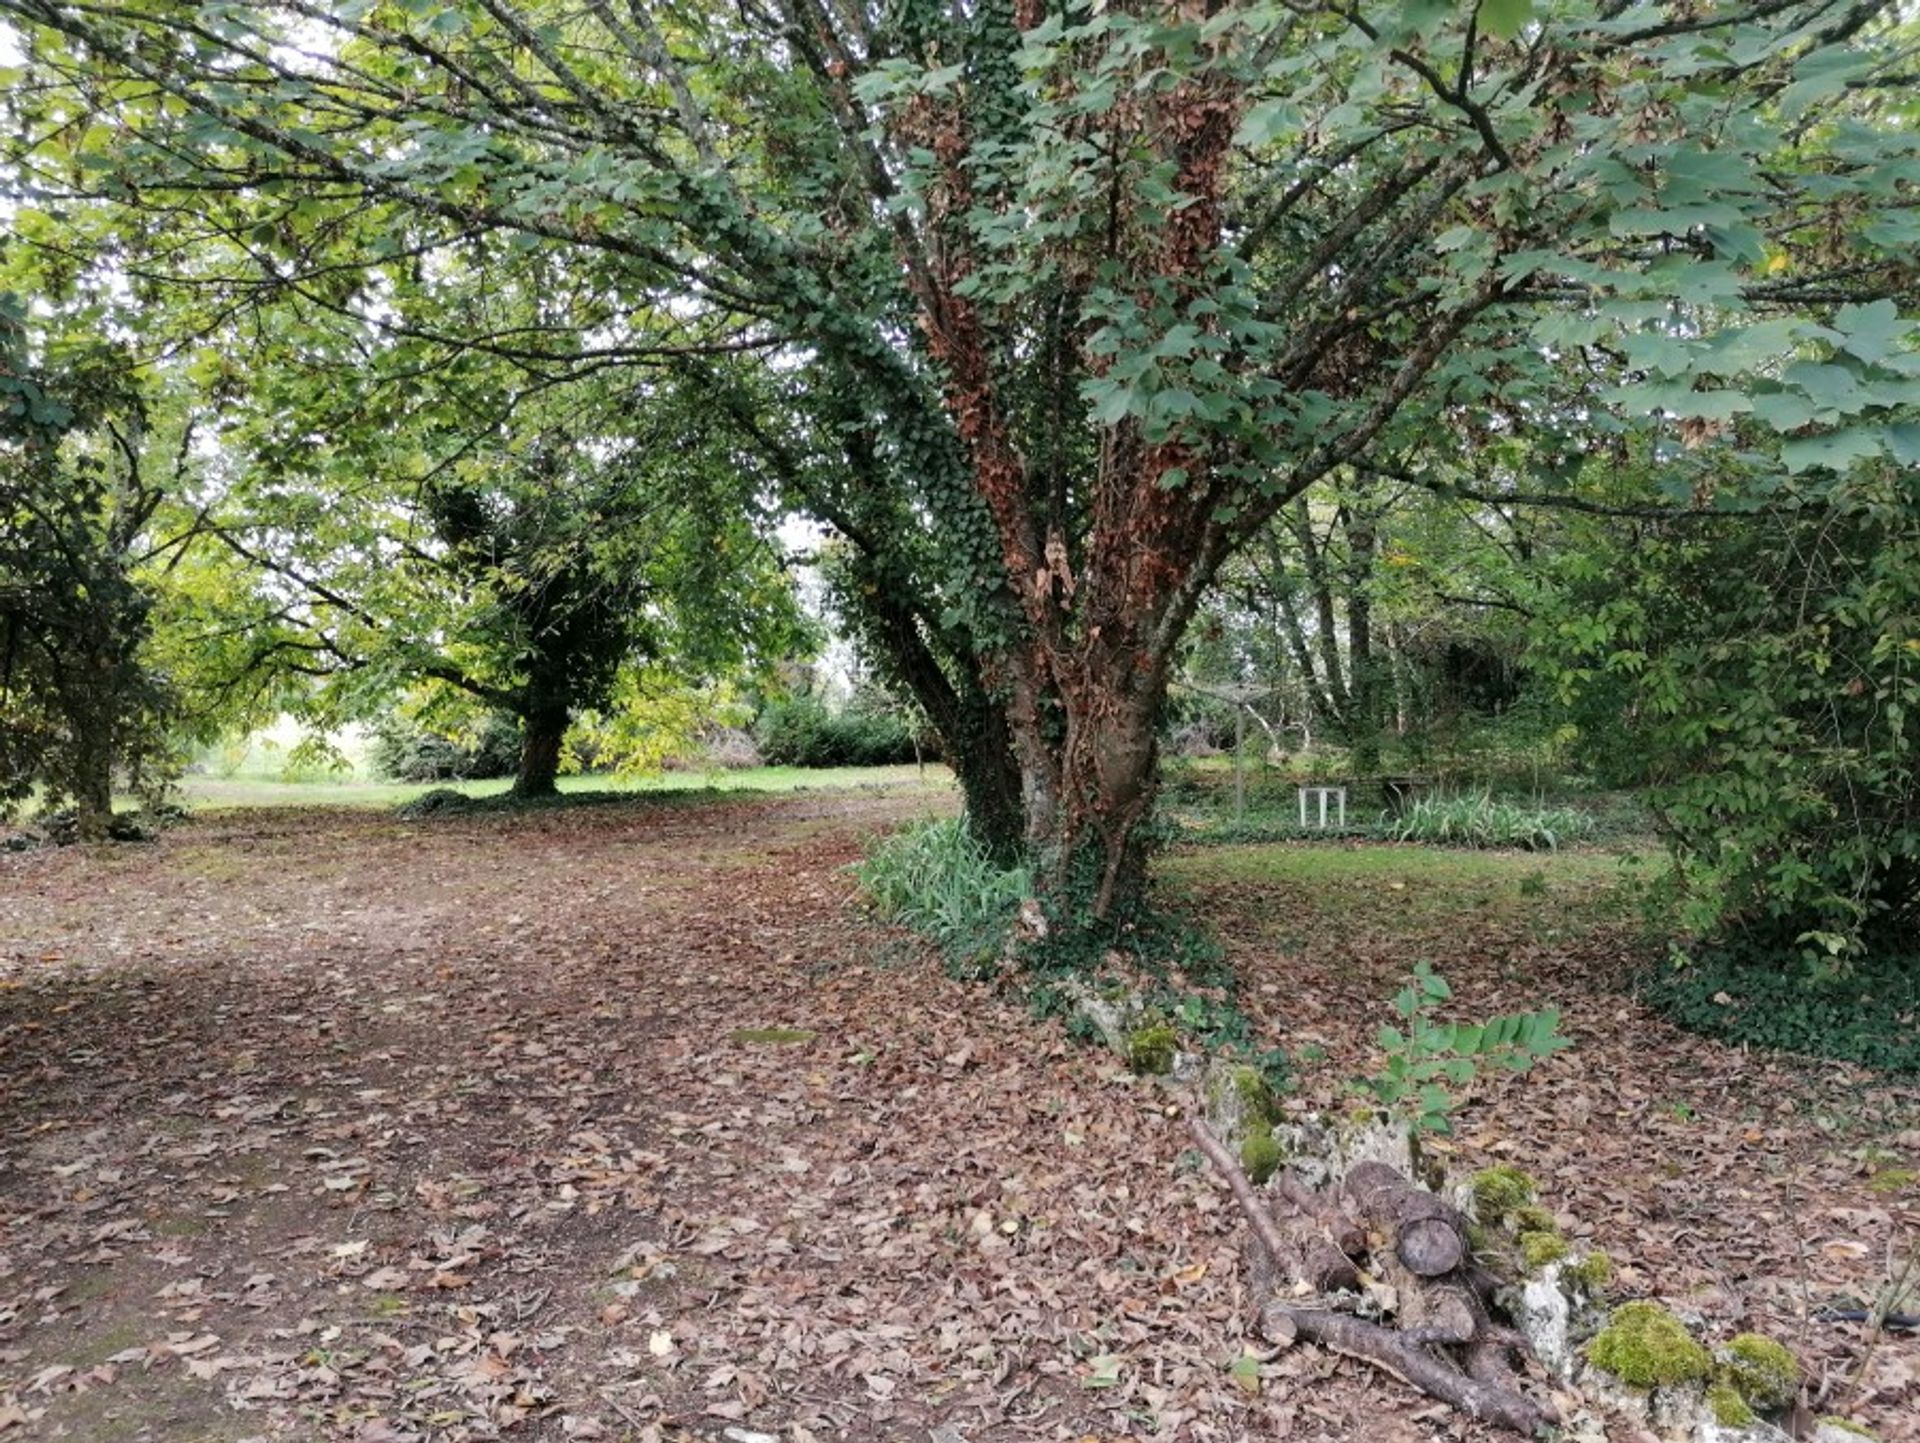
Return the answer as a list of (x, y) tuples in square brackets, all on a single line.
[(93, 783), (1103, 604), (542, 732)]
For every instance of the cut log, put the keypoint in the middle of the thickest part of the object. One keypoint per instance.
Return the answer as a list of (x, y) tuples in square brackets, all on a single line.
[(1429, 1236), (1340, 1225)]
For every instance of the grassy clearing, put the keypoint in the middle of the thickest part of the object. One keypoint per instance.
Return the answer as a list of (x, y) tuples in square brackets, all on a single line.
[(209, 793), (1430, 867), (1410, 889)]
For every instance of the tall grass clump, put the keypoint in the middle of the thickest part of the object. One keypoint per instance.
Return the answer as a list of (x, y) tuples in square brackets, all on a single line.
[(935, 878), (1477, 819)]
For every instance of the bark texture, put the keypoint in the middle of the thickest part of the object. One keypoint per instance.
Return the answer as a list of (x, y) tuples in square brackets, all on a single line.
[(542, 734)]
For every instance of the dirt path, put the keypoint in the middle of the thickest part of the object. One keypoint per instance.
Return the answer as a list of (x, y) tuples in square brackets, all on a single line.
[(618, 1122)]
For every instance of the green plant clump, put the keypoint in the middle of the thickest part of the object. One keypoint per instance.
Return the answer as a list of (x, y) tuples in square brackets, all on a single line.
[(1479, 820), (1592, 1272), (938, 880), (1540, 1248), (1500, 1190), (1863, 1015), (1151, 1049), (1260, 1154), (1645, 1346), (1730, 1410), (1763, 1371)]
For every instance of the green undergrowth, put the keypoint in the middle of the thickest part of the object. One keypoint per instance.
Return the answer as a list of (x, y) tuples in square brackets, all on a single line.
[(936, 879), (1480, 820), (1217, 831), (1177, 972), (1869, 1015)]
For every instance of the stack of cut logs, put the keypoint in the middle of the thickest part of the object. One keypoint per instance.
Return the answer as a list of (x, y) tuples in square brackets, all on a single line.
[(1441, 1338)]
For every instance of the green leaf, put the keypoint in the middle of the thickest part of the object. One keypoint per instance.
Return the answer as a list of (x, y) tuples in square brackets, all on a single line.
[(1833, 451), (1504, 19)]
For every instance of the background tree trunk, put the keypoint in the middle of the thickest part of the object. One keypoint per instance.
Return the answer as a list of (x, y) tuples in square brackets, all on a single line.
[(93, 779), (543, 730), (1363, 671)]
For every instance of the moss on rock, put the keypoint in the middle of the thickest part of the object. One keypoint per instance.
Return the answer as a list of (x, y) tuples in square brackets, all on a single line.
[(1645, 1346), (1847, 1425), (1592, 1272), (1763, 1371), (1730, 1410), (1540, 1248), (1532, 1218), (1498, 1191), (1248, 1089), (1261, 1154), (1151, 1049)]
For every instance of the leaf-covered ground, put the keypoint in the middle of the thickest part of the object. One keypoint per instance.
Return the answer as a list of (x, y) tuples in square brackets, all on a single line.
[(620, 1122)]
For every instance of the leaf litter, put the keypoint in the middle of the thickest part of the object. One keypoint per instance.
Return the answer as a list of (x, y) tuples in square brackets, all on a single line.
[(623, 1123)]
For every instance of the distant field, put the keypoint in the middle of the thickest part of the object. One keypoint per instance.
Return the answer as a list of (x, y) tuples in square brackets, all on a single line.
[(204, 793)]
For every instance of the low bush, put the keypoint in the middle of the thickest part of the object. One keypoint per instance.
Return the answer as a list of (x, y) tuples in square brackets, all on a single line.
[(936, 879), (1481, 820), (805, 732), (1868, 1014), (403, 750)]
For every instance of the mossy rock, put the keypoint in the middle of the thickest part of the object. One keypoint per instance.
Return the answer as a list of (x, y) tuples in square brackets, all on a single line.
[(1592, 1272), (1261, 1154), (1532, 1218), (1499, 1191), (1844, 1425), (1152, 1048), (1763, 1371), (1645, 1346), (1729, 1409), (1542, 1247), (1244, 1090)]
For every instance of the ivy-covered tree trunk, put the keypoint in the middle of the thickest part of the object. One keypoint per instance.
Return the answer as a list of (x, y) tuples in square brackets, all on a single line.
[(1102, 597), (543, 730)]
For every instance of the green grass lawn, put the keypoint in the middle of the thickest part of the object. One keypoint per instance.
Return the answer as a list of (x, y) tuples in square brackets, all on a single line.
[(1416, 889), (203, 793)]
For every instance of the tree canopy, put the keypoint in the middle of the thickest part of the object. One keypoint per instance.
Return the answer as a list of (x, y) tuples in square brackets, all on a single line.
[(1064, 302)]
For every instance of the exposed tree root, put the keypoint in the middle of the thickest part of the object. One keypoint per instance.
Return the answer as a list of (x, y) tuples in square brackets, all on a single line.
[(1444, 1341)]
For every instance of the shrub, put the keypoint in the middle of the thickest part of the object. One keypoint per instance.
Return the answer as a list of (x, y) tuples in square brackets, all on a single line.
[(1761, 671), (406, 750), (1869, 1014), (1478, 820), (1420, 1064), (804, 732), (938, 880)]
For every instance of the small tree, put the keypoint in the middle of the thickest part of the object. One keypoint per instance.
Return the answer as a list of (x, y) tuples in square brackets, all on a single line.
[(78, 704), (1765, 668)]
